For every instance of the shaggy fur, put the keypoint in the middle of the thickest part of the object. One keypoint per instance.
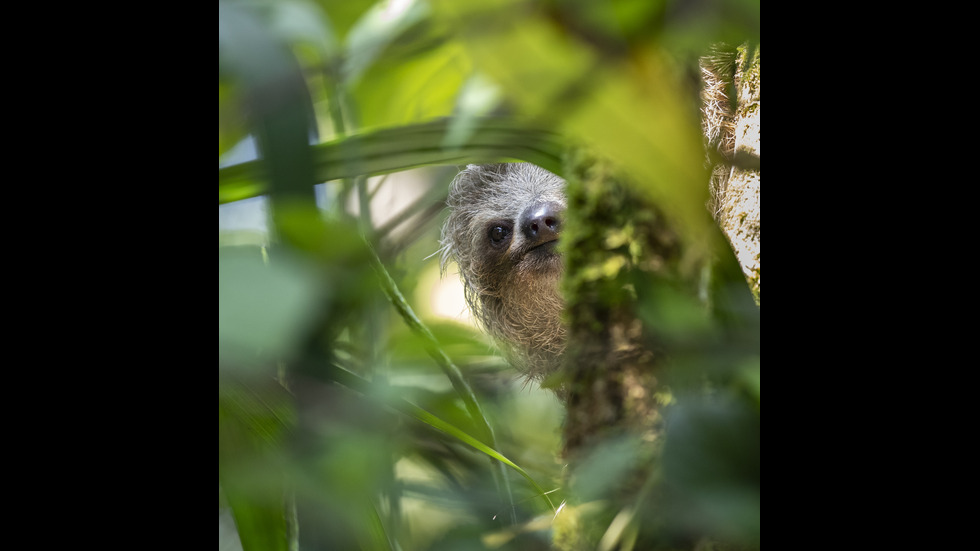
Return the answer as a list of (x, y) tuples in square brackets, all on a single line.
[(717, 121), (511, 285)]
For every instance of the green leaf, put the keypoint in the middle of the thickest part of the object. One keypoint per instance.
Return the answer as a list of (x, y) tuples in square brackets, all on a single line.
[(274, 90), (399, 404), (263, 310), (404, 147), (372, 33), (253, 419), (627, 100), (421, 87)]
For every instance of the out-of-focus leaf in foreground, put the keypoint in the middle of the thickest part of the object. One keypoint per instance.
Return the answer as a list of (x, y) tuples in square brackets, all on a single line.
[(401, 148), (712, 458), (367, 409), (264, 310), (603, 81), (253, 421)]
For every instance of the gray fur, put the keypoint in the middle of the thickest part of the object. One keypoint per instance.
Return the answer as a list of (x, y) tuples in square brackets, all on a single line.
[(512, 290)]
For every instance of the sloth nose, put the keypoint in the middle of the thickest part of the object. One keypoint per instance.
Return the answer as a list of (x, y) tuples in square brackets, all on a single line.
[(541, 222)]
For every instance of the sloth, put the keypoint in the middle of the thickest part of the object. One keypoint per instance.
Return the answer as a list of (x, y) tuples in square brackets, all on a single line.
[(504, 225), (502, 232)]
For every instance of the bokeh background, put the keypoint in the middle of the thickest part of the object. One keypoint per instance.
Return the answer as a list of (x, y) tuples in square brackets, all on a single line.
[(359, 407)]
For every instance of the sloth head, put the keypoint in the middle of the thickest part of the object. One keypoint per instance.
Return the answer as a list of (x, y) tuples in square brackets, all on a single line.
[(502, 231)]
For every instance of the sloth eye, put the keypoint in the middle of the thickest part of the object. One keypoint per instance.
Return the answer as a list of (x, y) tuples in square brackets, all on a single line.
[(499, 235)]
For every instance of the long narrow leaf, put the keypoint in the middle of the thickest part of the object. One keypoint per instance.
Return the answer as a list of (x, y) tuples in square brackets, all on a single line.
[(436, 423), (401, 148), (452, 372)]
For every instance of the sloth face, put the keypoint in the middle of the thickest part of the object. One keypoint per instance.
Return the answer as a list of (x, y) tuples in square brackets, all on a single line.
[(503, 229)]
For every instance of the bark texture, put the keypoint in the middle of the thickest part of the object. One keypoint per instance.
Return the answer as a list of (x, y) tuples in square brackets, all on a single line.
[(731, 115), (614, 244), (632, 481)]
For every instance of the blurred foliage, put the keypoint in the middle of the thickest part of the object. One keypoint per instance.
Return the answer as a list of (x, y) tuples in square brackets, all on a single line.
[(346, 420)]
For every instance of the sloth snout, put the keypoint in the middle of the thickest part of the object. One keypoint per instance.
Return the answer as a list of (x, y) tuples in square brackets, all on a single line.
[(541, 222)]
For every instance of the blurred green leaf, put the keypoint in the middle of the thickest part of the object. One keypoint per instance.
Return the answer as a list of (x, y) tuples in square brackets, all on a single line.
[(344, 14), (374, 31), (420, 88), (278, 105), (610, 74), (690, 26), (231, 123), (631, 102), (303, 24), (451, 430), (477, 98), (264, 311), (262, 413), (604, 470), (640, 117), (711, 456), (401, 148), (253, 421), (352, 381), (517, 46), (674, 315), (377, 536), (750, 374)]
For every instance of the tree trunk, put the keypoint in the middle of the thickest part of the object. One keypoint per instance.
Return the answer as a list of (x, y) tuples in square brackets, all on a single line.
[(732, 127), (662, 420), (616, 245)]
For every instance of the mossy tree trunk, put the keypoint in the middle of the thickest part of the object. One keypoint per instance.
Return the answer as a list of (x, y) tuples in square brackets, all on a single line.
[(612, 370), (662, 412)]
